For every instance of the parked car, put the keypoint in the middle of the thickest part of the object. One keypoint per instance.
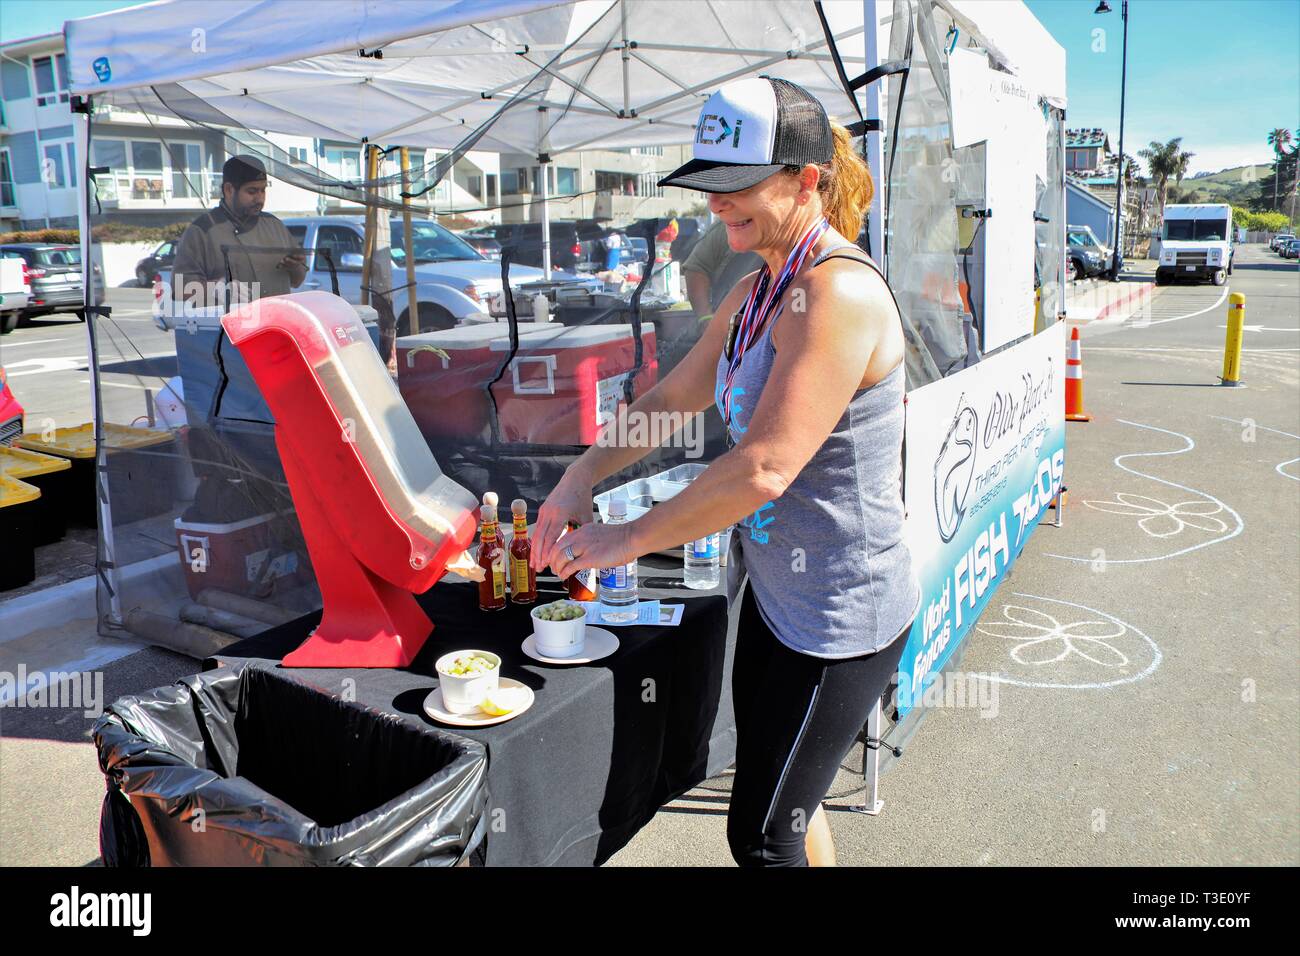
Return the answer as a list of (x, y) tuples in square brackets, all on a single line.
[(573, 248), (483, 241), (15, 283), (1291, 249), (1085, 256), (635, 249), (11, 413), (453, 282), (54, 271), (689, 231), (161, 258), (1279, 240)]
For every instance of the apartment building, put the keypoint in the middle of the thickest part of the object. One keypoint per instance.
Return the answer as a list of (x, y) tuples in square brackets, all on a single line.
[(615, 184), (162, 171), (38, 167)]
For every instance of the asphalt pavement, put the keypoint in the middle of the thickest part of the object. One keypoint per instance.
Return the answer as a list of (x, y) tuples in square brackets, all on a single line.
[(46, 362)]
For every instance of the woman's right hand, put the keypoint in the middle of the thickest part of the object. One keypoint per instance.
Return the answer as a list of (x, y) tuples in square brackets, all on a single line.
[(571, 500)]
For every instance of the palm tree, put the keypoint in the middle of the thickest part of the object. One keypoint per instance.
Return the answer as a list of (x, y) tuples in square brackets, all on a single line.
[(1278, 139), (1162, 161), (1180, 168)]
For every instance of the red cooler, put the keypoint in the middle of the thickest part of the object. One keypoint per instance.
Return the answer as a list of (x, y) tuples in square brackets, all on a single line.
[(249, 557), (564, 377), (447, 394)]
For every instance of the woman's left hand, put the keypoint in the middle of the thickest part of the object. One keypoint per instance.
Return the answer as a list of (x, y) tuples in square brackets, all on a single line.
[(594, 545)]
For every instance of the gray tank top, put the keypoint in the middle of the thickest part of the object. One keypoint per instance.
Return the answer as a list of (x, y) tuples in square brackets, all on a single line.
[(827, 560)]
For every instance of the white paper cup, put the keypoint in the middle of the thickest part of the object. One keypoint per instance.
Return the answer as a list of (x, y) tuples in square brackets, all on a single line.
[(560, 638), (462, 693)]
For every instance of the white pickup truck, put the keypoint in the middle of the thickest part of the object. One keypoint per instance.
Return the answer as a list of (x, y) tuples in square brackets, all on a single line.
[(14, 289), (454, 283)]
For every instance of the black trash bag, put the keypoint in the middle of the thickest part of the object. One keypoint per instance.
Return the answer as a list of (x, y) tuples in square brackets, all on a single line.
[(245, 766)]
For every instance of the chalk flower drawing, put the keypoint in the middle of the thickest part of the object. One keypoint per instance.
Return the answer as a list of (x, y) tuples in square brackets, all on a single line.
[(1040, 638), (1161, 520)]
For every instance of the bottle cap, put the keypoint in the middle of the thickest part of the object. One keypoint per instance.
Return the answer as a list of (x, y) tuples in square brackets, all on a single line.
[(488, 512), (490, 498), (518, 507), (618, 507)]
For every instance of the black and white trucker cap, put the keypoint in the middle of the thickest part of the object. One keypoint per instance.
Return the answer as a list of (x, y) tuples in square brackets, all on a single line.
[(748, 130)]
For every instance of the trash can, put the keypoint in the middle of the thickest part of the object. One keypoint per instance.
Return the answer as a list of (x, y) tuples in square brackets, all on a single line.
[(53, 476), (245, 766), (141, 470), (18, 504)]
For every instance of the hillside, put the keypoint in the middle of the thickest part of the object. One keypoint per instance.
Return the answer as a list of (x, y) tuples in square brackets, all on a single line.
[(1236, 185)]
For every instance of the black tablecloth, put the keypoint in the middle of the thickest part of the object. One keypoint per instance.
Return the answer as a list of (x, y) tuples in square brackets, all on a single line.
[(603, 746)]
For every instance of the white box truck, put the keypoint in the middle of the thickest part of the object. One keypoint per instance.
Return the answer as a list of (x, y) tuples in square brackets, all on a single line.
[(1196, 242)]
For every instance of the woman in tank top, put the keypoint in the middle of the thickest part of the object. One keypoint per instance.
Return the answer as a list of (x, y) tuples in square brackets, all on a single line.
[(813, 408)]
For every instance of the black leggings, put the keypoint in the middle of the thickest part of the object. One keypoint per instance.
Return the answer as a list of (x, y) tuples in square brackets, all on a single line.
[(796, 718)]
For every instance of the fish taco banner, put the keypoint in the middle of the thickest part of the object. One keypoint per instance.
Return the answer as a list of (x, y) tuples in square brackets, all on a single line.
[(985, 457)]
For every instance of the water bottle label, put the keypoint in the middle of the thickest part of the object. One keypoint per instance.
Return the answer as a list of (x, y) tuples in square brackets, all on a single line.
[(706, 548), (614, 577)]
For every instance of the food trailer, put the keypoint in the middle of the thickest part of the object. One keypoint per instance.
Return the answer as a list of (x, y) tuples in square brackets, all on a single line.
[(958, 108)]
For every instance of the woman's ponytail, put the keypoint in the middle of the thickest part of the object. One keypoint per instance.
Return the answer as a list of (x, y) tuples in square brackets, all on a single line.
[(846, 186)]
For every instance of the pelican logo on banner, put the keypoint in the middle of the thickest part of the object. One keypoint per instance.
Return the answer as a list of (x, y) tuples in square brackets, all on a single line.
[(953, 470), (714, 129)]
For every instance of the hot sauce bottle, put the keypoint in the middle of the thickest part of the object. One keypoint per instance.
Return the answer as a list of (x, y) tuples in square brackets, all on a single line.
[(492, 559), (523, 579), (582, 584)]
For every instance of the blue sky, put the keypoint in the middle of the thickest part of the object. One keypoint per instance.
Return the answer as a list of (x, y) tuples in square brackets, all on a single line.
[(28, 18), (1218, 73)]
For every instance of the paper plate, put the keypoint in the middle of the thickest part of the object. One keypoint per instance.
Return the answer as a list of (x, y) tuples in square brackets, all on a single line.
[(599, 643), (434, 708)]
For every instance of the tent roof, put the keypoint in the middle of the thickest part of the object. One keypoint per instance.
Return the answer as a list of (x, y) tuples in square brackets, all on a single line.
[(450, 66)]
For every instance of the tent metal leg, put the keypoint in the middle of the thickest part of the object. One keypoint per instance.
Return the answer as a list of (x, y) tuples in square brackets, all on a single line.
[(1058, 505), (106, 551), (871, 802)]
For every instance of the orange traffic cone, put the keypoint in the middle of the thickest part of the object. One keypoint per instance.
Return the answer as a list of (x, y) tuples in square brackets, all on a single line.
[(1074, 380)]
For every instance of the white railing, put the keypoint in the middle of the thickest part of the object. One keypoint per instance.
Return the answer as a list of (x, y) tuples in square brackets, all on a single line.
[(158, 186)]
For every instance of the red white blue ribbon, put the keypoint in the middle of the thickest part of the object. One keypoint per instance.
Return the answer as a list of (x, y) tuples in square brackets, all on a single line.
[(764, 304)]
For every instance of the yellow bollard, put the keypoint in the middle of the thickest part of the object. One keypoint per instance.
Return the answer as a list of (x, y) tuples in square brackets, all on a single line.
[(1232, 345)]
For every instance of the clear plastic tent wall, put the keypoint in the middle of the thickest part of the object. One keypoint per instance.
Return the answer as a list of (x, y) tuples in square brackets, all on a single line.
[(507, 388)]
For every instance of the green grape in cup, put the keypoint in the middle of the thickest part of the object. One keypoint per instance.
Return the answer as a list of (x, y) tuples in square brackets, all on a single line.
[(560, 611)]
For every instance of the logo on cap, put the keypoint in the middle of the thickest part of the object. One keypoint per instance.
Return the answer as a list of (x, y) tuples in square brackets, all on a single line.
[(707, 126)]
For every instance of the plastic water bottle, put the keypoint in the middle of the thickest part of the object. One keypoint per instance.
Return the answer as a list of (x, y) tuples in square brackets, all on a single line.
[(618, 592), (701, 561)]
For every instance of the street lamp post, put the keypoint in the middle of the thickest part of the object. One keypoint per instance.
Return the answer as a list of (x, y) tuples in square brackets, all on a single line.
[(1117, 255)]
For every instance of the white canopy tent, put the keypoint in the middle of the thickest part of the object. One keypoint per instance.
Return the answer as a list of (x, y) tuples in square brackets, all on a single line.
[(448, 65), (520, 76), (595, 73)]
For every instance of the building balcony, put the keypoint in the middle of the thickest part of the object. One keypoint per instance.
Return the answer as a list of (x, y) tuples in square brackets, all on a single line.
[(130, 189), (106, 114)]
